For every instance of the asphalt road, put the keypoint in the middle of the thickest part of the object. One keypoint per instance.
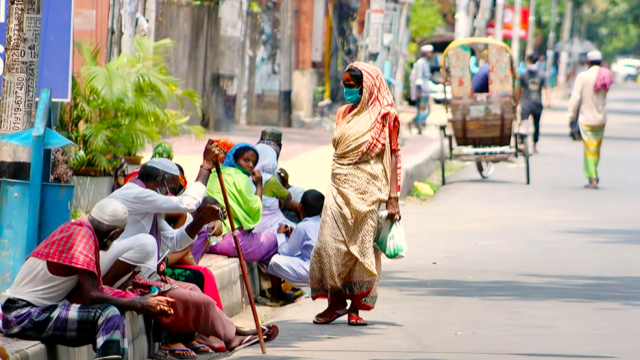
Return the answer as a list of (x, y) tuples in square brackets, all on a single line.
[(501, 270)]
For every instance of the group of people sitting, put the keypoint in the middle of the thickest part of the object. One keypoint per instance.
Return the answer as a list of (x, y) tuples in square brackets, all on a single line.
[(139, 249)]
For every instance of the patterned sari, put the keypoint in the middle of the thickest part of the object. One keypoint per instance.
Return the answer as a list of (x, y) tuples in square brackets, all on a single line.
[(345, 265)]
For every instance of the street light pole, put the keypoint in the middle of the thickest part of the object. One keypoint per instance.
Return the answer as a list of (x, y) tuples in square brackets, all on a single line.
[(499, 20), (552, 39)]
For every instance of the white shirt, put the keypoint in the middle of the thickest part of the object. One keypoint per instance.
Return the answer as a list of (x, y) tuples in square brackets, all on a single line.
[(35, 284), (142, 204), (303, 239), (585, 100)]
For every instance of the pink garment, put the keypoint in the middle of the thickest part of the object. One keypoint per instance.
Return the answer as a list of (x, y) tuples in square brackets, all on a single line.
[(194, 311), (255, 246), (210, 286), (603, 80)]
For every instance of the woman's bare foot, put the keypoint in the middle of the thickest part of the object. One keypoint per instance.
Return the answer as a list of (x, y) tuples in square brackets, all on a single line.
[(237, 341), (212, 342)]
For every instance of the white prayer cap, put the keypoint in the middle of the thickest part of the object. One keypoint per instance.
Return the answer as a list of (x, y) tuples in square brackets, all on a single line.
[(427, 48), (110, 212), (165, 165), (594, 55)]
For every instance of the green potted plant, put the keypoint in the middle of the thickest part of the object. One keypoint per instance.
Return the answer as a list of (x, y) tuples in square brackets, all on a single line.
[(120, 107)]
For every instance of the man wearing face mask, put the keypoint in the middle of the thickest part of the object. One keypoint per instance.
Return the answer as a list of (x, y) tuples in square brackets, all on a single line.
[(65, 265), (147, 237), (532, 83)]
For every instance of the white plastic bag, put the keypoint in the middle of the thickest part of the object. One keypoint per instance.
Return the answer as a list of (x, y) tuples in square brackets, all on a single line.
[(390, 238)]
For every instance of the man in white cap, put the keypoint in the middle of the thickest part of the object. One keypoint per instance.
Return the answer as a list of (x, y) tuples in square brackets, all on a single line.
[(66, 266), (587, 102), (148, 238)]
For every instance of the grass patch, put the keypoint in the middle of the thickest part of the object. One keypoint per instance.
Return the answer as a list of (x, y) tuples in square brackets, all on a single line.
[(434, 180)]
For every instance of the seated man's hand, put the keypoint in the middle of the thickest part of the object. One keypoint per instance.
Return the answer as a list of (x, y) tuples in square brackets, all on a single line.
[(155, 305), (285, 229)]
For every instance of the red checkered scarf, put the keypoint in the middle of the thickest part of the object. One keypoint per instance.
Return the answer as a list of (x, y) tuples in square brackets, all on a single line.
[(75, 244), (377, 105)]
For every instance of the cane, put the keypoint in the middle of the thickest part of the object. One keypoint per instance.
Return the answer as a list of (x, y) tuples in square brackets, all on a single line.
[(243, 266)]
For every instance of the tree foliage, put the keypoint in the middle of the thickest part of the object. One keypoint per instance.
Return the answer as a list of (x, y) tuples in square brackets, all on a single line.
[(426, 18), (118, 108)]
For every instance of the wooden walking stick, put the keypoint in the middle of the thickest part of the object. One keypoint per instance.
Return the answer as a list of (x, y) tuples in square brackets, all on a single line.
[(243, 265)]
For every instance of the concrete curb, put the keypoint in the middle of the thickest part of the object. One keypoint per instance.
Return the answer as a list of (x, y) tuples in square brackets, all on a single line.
[(420, 166)]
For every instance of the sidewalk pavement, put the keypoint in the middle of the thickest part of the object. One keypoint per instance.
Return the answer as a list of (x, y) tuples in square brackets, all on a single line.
[(307, 154)]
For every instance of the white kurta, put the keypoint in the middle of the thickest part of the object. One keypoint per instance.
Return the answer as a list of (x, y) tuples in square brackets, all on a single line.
[(294, 256), (139, 247)]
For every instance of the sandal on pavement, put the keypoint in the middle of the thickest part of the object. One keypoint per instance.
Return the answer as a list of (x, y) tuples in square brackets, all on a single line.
[(165, 353), (270, 331), (329, 316), (355, 320)]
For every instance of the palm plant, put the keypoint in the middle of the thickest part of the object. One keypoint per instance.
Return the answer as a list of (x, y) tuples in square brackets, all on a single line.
[(122, 106)]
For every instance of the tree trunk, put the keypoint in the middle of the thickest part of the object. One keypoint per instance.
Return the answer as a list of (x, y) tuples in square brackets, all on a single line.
[(531, 37), (566, 34)]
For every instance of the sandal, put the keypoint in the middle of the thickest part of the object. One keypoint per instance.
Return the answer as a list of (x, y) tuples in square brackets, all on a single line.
[(270, 332), (355, 320), (329, 316), (200, 349), (164, 353)]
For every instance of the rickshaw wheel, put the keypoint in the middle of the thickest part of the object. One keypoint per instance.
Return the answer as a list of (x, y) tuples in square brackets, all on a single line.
[(485, 168)]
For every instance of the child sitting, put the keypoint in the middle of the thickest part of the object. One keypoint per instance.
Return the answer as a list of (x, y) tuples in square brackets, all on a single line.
[(294, 256)]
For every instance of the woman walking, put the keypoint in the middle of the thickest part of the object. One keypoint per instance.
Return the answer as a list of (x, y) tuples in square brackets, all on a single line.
[(365, 174)]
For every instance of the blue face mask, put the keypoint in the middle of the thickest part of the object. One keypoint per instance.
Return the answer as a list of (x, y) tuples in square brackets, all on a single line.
[(352, 96)]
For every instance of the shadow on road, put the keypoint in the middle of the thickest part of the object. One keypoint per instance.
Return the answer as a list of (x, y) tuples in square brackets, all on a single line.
[(619, 289), (611, 236)]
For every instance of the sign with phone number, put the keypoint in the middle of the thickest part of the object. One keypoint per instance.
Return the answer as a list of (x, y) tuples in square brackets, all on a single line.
[(55, 51)]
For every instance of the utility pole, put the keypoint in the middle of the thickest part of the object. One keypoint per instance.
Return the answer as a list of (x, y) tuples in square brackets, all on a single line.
[(484, 14), (238, 118), (515, 31), (286, 61), (251, 91), (566, 34), (531, 36), (552, 39), (499, 20), (17, 106), (462, 19)]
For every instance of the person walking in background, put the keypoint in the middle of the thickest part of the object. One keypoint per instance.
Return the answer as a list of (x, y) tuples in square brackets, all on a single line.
[(588, 100), (532, 84), (421, 74), (345, 265)]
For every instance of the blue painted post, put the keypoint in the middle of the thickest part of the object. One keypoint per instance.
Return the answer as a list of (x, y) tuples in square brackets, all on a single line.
[(35, 182)]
